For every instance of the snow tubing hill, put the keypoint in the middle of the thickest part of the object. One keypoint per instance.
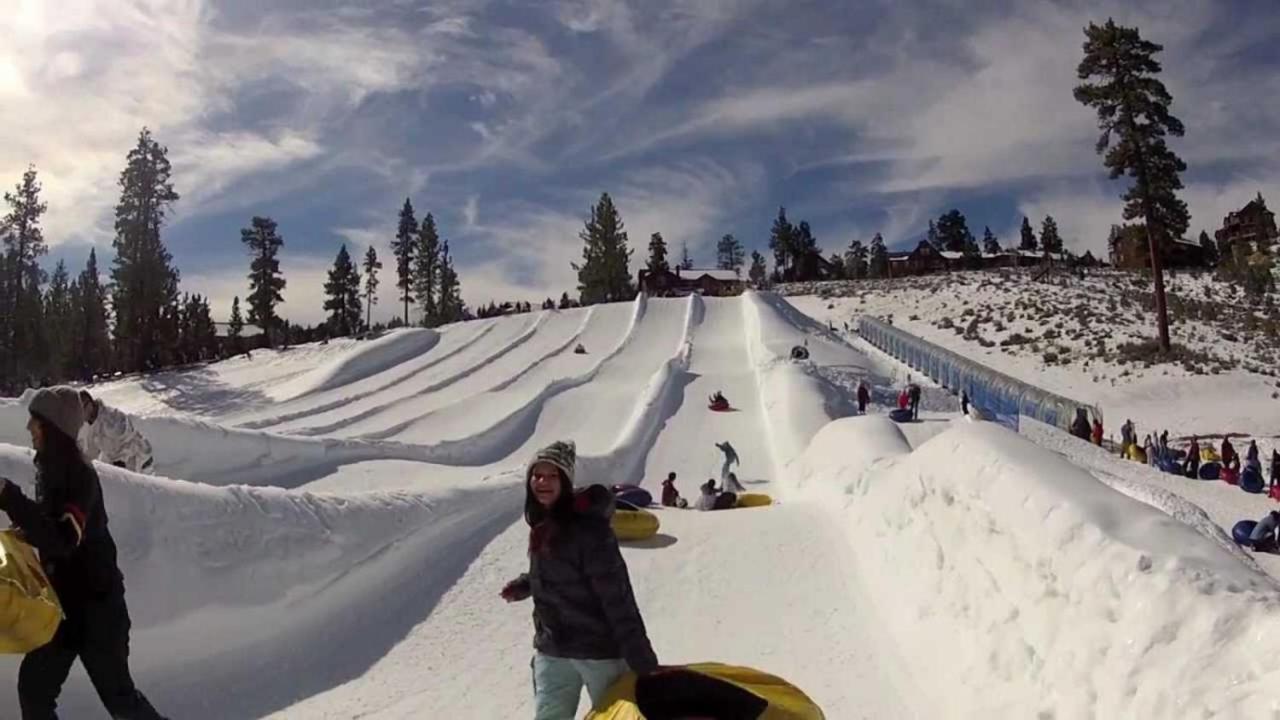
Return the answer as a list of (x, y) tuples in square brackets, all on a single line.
[(29, 608), (633, 494), (749, 500), (1210, 471), (900, 415), (706, 690), (1241, 531), (634, 524)]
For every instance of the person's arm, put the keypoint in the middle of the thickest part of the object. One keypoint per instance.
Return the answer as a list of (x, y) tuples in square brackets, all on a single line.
[(518, 589), (54, 538), (607, 573)]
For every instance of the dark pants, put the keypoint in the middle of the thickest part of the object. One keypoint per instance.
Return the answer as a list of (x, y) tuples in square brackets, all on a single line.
[(862, 407), (915, 408), (99, 636), (726, 501), (1266, 544)]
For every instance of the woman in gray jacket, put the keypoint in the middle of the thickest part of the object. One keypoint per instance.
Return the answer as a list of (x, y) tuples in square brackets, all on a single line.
[(587, 627)]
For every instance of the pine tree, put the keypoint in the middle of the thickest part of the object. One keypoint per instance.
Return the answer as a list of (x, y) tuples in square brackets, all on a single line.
[(548, 304), (1050, 240), (403, 247), (806, 256), (604, 275), (265, 279), (235, 326), (686, 260), (972, 253), (144, 283), (990, 245), (856, 260), (23, 243), (836, 268), (1210, 249), (342, 295), (450, 307), (782, 241), (952, 231), (932, 236), (1133, 105), (879, 262), (1028, 236), (657, 254), (371, 267), (565, 301), (59, 319), (758, 272), (92, 337), (205, 332), (729, 254), (427, 271)]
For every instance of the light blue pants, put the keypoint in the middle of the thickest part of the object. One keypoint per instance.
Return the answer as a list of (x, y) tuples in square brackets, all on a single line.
[(558, 682), (724, 469)]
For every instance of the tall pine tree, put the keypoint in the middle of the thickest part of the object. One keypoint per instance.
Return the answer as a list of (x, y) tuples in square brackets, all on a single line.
[(782, 241), (450, 307), (729, 254), (426, 271), (1050, 240), (342, 295), (657, 254), (758, 272), (1133, 107), (235, 326), (1028, 241), (371, 267), (686, 260), (855, 260), (59, 318), (879, 263), (604, 275), (265, 279), (144, 283), (990, 245), (952, 232), (23, 246), (404, 248), (1209, 248), (92, 338)]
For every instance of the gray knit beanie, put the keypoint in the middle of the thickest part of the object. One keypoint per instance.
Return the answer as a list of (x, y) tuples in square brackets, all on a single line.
[(60, 406), (561, 453)]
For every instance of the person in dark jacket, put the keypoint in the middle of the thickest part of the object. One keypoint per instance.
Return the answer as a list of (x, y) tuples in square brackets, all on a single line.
[(670, 495), (1191, 468), (587, 628), (67, 525), (1229, 457), (1080, 426), (913, 396), (1251, 455), (1275, 468), (1095, 436), (864, 398), (964, 401)]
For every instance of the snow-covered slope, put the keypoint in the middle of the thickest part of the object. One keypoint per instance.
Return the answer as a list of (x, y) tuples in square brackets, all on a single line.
[(342, 553)]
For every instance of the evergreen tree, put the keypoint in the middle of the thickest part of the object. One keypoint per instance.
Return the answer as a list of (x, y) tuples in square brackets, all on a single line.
[(758, 272), (1210, 249), (856, 260), (1050, 240), (450, 307), (879, 262), (403, 247), (144, 283), (565, 301), (371, 267), (265, 278), (342, 293), (686, 260), (235, 326), (23, 243), (59, 319), (1028, 236), (972, 253), (1133, 106), (835, 264), (932, 236), (604, 275), (548, 304), (657, 254), (729, 254), (990, 245), (427, 271), (92, 337), (952, 231), (806, 256), (782, 241)]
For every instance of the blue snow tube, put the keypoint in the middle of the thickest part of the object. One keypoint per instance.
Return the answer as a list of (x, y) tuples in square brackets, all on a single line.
[(1241, 531), (633, 494), (900, 415), (1251, 481), (1210, 471), (1170, 466)]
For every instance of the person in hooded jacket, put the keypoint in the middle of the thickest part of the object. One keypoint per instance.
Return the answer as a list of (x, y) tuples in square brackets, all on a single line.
[(109, 435), (587, 627), (1275, 468), (1263, 538), (1191, 467), (1251, 455), (670, 495), (1229, 457), (730, 459), (1080, 426), (913, 396), (1095, 436), (864, 398), (67, 525)]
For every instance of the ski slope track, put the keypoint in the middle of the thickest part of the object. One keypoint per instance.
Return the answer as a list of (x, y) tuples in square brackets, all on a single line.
[(341, 519)]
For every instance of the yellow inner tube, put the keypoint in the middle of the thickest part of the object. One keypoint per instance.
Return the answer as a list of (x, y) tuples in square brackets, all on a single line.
[(785, 701), (748, 500), (634, 524), (1208, 454), (29, 608)]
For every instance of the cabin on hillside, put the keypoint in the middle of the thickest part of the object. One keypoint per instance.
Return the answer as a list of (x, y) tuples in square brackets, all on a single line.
[(679, 282), (1250, 229), (927, 259), (1131, 250), (251, 338)]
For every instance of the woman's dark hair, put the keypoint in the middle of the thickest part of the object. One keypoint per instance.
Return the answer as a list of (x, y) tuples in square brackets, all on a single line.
[(544, 522), (59, 455)]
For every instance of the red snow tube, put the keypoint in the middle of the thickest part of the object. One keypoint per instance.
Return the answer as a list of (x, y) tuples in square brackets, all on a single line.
[(1274, 493), (719, 406), (1230, 476)]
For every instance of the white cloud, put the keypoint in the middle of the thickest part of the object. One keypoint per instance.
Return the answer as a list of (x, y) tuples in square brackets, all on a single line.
[(470, 212)]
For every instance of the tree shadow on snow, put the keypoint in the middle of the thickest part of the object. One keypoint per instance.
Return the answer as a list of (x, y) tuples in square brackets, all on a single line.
[(199, 391), (657, 542)]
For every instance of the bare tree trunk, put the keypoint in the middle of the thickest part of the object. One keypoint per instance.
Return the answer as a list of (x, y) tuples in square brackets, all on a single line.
[(1157, 272)]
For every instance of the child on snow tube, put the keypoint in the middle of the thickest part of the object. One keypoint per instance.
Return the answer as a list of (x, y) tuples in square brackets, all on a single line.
[(670, 495), (718, 401), (711, 499), (1263, 538)]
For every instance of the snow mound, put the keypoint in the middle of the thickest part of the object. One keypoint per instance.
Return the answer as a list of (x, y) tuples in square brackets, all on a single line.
[(1022, 586), (370, 358)]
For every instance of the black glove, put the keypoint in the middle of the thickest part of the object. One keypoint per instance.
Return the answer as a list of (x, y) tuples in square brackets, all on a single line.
[(517, 589)]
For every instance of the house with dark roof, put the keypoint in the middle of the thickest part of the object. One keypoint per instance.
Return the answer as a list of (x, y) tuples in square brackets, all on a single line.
[(1251, 228), (689, 281)]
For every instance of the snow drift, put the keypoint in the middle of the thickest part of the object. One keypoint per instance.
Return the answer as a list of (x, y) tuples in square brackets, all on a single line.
[(369, 358)]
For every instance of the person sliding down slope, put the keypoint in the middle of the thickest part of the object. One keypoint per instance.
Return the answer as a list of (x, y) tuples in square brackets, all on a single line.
[(67, 524), (1263, 536), (110, 436), (730, 458), (587, 627)]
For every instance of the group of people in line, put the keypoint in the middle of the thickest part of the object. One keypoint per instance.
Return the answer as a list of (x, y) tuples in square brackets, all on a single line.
[(710, 497), (1158, 452), (1088, 431)]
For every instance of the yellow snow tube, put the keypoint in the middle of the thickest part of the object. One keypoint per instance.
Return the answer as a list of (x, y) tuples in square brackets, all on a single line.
[(783, 701), (748, 500), (1136, 454), (634, 524), (1208, 454), (29, 609)]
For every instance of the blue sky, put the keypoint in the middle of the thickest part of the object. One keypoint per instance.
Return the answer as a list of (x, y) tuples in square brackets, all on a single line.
[(701, 117)]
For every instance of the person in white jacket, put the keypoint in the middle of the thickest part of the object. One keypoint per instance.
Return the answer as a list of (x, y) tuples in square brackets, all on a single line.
[(109, 436)]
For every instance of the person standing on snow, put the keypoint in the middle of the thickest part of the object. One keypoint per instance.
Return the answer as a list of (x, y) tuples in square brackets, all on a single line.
[(1229, 457), (1096, 433), (864, 398), (1275, 468), (67, 524), (1080, 426), (730, 458), (964, 402), (1191, 468), (109, 436), (587, 627), (913, 395), (1251, 455), (1149, 448)]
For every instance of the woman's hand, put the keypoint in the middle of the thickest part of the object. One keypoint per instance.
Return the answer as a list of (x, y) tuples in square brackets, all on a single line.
[(516, 590)]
